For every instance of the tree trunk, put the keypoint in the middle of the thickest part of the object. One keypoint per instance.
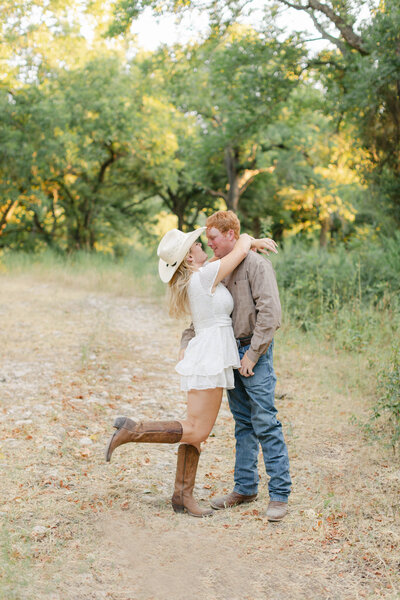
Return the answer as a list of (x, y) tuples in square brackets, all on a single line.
[(181, 221), (92, 240), (231, 157), (256, 227), (324, 233), (177, 206)]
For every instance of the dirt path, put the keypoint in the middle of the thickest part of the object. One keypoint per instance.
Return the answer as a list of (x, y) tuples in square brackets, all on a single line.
[(76, 528)]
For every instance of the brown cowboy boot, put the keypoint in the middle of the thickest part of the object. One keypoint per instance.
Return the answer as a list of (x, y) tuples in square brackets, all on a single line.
[(182, 499), (164, 432), (276, 511), (232, 499)]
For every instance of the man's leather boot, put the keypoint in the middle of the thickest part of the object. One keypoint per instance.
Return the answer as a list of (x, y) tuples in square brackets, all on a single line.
[(232, 499), (164, 432), (186, 468), (276, 510)]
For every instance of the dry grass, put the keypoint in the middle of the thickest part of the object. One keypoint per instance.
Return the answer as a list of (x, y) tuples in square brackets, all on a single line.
[(73, 357)]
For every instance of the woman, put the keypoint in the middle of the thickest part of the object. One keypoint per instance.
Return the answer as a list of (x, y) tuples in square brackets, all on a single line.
[(207, 366)]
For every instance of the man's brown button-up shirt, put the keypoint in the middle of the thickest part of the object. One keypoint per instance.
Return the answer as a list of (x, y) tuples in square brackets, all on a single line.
[(257, 309)]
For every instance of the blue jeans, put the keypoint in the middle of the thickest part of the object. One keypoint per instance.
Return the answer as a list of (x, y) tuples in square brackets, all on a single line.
[(253, 408)]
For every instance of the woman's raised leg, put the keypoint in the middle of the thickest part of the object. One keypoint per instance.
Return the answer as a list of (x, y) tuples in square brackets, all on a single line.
[(202, 410)]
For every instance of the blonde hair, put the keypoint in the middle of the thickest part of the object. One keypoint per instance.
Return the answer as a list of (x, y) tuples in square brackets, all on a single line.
[(178, 290)]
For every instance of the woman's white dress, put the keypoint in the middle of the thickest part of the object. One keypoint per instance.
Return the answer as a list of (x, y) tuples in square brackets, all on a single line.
[(212, 354)]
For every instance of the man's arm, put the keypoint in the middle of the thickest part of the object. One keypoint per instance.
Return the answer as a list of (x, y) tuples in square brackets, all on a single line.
[(187, 335), (265, 294)]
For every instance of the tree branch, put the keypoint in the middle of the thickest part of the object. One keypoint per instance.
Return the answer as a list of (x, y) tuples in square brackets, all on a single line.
[(136, 203), (249, 176), (324, 63), (349, 35), (217, 194), (327, 35), (53, 212), (295, 6), (38, 224), (112, 158), (167, 201), (64, 187)]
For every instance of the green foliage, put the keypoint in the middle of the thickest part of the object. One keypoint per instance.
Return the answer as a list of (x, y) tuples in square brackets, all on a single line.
[(95, 146), (235, 85), (389, 401), (349, 297), (384, 422), (340, 293), (125, 11), (38, 36), (361, 80), (70, 156), (362, 89)]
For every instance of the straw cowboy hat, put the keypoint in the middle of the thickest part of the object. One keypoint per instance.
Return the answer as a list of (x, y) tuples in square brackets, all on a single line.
[(172, 250)]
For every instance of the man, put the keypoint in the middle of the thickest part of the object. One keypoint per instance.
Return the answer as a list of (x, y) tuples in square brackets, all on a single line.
[(255, 318)]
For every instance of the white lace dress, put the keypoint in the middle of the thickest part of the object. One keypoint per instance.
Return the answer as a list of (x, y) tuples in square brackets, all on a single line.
[(212, 354)]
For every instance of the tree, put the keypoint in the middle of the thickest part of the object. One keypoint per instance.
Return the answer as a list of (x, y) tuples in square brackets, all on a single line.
[(173, 174), (38, 36), (362, 79), (235, 87), (314, 181), (77, 144), (361, 74)]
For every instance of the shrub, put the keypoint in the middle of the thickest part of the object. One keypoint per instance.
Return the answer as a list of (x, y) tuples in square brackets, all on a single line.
[(387, 408), (347, 294)]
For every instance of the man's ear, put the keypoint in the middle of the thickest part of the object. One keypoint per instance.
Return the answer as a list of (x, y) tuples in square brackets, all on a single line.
[(230, 234)]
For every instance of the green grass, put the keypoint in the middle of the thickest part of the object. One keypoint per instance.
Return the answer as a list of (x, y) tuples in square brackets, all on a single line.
[(135, 274)]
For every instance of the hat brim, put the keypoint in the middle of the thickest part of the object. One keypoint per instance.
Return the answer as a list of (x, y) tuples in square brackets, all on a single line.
[(165, 270)]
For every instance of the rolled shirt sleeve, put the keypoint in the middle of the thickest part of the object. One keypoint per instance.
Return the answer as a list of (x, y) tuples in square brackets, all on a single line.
[(187, 335), (264, 290), (257, 309)]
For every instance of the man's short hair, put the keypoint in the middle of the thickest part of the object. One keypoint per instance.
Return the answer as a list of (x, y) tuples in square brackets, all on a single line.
[(224, 220)]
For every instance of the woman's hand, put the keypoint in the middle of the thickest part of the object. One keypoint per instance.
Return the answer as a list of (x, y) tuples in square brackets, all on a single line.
[(247, 240), (264, 245)]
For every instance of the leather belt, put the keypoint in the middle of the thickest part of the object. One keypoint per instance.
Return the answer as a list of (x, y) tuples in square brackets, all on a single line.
[(244, 341)]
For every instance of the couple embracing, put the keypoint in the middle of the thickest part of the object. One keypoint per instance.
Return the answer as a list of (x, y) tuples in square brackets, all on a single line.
[(234, 304)]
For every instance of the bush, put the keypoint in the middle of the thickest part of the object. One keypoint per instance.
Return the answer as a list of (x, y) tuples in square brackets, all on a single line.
[(387, 410), (349, 294), (319, 280)]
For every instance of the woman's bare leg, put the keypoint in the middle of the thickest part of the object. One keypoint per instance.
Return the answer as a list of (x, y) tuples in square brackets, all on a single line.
[(202, 410)]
